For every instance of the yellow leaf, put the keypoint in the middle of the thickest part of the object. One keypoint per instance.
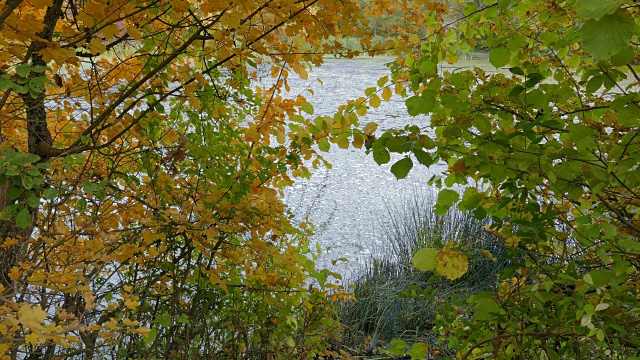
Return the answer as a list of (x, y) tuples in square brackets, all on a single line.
[(299, 42), (214, 279), (86, 19), (358, 141), (383, 80), (32, 339), (374, 101), (280, 136), (3, 349), (134, 33), (370, 128), (144, 331), (487, 254), (60, 340), (386, 94), (180, 6), (42, 4), (451, 264), (15, 273), (172, 136), (399, 88), (130, 322), (111, 324), (302, 72), (131, 303), (343, 141), (94, 327), (32, 317), (110, 31), (96, 46)]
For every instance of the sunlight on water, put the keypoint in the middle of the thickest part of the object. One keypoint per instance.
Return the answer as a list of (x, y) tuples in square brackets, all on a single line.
[(347, 203)]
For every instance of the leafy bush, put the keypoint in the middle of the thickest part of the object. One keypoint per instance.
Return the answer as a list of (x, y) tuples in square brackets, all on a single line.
[(394, 300)]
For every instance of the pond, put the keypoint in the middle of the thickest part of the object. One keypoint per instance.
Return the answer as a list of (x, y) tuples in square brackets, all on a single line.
[(348, 203)]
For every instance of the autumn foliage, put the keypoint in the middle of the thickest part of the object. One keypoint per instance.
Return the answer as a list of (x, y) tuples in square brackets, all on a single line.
[(141, 171)]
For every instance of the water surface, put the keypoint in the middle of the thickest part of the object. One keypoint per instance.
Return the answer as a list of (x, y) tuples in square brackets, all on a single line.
[(348, 202)]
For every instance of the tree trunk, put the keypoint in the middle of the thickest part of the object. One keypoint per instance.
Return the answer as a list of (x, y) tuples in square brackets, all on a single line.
[(40, 142)]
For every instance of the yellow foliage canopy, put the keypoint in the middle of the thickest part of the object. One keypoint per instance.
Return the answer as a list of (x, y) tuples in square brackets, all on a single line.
[(139, 182)]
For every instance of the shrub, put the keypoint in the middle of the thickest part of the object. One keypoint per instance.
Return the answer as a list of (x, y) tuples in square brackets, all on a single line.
[(393, 300)]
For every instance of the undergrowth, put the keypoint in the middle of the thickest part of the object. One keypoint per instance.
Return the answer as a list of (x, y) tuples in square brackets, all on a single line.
[(395, 301)]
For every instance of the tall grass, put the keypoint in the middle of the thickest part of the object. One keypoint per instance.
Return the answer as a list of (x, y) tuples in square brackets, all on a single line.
[(395, 301)]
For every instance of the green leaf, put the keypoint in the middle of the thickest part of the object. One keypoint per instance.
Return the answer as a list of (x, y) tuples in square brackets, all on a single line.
[(6, 84), (51, 193), (14, 193), (470, 199), (290, 342), (81, 204), (414, 105), (307, 107), (447, 197), (516, 70), (381, 156), (486, 309), (600, 277), (183, 319), (23, 219), (624, 57), (504, 4), (402, 167), (423, 157), (150, 337), (425, 259), (397, 347), (23, 70), (27, 181), (418, 351), (594, 84), (552, 354), (609, 35), (21, 158), (499, 56), (533, 79), (595, 9), (33, 201), (426, 67), (370, 91), (629, 245), (629, 115), (516, 91), (163, 321), (323, 144)]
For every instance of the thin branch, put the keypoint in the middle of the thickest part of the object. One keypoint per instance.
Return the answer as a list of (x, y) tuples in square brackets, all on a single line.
[(10, 5)]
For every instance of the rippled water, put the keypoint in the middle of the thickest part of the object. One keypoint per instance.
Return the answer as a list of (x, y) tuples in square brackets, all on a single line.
[(348, 202)]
